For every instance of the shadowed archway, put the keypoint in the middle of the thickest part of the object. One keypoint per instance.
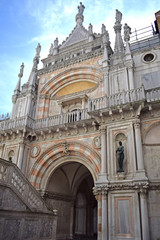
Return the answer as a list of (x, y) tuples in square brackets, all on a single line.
[(69, 190)]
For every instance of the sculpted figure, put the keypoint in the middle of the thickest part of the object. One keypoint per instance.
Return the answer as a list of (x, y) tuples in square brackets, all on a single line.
[(38, 50), (103, 29), (118, 16), (51, 49), (56, 43), (90, 29), (127, 32), (81, 9), (120, 156)]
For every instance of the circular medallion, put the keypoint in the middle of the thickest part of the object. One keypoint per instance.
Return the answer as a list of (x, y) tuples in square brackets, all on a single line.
[(43, 80), (97, 142), (35, 151)]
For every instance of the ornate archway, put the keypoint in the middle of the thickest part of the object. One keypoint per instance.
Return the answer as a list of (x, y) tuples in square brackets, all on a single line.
[(57, 154), (66, 173)]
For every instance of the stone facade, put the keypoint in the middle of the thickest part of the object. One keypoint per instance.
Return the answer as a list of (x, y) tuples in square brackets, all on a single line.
[(66, 125)]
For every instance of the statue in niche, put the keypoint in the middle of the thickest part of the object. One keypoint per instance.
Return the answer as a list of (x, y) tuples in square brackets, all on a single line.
[(120, 156), (81, 9), (118, 16), (127, 32)]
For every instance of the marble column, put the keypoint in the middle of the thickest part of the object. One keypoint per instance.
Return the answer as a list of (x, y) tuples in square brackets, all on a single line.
[(103, 151), (139, 151), (144, 215), (20, 157), (104, 216), (99, 199)]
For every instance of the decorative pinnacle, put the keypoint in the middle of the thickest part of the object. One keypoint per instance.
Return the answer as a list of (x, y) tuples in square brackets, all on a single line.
[(20, 75)]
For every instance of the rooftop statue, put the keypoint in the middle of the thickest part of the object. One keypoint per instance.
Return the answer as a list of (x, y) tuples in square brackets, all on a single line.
[(90, 29), (56, 43), (81, 8), (103, 29), (118, 16), (51, 49), (38, 50), (127, 32)]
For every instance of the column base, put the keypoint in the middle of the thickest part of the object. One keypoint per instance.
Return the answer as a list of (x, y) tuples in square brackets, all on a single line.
[(140, 175)]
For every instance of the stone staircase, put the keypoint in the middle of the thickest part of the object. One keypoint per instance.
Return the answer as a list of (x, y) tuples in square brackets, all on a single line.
[(23, 213)]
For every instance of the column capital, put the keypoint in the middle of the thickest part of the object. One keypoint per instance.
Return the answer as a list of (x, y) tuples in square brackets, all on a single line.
[(136, 124), (103, 128), (100, 190)]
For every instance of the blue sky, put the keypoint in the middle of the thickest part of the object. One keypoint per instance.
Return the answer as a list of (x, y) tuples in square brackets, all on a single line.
[(25, 23)]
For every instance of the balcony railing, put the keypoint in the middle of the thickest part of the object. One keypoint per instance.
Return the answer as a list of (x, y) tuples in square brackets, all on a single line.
[(118, 99), (60, 119)]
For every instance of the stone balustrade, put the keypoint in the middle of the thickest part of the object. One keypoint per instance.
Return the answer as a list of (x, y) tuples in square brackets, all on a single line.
[(117, 99), (153, 95), (62, 119), (11, 176)]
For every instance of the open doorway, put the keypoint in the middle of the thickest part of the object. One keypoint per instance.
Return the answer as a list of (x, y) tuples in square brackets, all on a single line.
[(69, 190)]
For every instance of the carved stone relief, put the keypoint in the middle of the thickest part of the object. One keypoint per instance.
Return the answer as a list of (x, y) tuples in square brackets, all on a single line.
[(35, 151), (96, 142)]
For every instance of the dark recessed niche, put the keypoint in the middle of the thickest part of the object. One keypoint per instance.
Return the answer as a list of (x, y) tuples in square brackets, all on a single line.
[(148, 57)]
